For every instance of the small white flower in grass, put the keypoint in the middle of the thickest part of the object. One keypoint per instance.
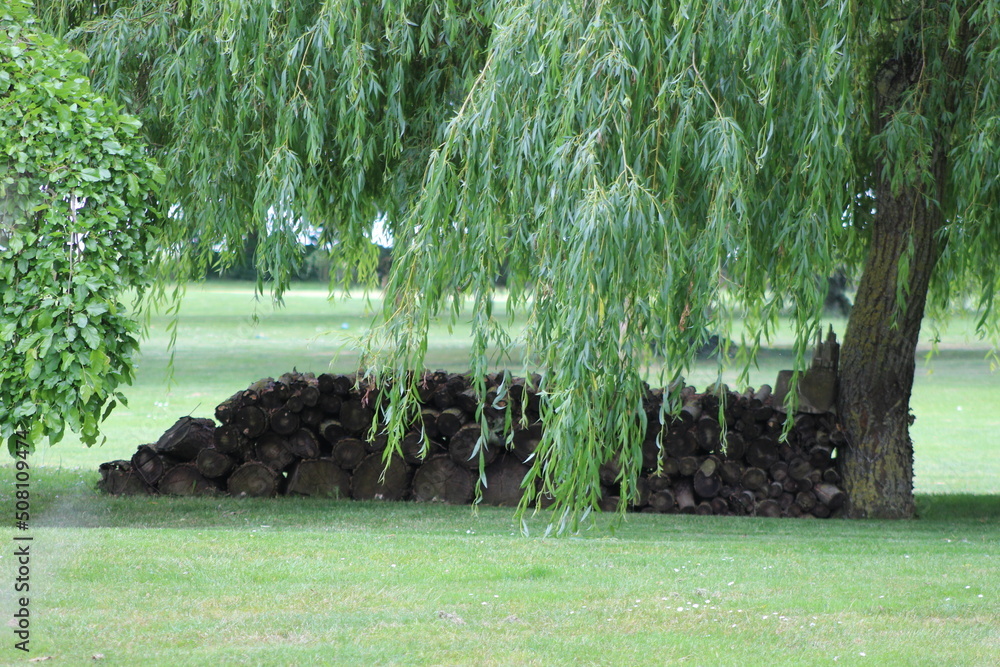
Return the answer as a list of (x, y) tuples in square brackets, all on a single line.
[(980, 595), (730, 583), (680, 608), (862, 654), (393, 565), (695, 606), (967, 587)]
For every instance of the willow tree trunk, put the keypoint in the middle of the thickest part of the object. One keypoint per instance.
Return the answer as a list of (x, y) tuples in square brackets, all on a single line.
[(877, 358)]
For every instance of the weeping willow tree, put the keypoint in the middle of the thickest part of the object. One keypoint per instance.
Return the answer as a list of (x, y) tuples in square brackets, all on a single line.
[(630, 166)]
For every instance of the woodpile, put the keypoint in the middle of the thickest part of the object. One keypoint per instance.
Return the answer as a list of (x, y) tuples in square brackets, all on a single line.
[(310, 435)]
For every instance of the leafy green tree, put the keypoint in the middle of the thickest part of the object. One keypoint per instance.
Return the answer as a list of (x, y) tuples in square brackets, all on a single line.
[(75, 217), (630, 165)]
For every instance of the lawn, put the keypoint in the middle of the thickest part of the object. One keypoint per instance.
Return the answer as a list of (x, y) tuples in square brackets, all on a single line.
[(295, 581)]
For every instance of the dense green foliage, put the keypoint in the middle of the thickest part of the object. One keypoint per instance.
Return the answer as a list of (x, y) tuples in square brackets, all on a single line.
[(75, 219), (631, 166)]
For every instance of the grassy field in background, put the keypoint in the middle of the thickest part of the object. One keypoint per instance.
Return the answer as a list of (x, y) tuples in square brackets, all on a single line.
[(178, 581)]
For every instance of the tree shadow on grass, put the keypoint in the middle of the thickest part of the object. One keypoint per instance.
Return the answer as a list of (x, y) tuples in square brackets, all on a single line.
[(958, 506)]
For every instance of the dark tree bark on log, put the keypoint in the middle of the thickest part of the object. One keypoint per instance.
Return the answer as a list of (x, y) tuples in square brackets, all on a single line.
[(147, 464), (186, 438), (119, 478)]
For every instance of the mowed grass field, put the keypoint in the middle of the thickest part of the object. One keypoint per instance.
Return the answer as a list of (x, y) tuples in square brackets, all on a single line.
[(173, 581)]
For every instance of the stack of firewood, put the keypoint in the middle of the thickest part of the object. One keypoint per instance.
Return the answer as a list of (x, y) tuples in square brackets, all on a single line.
[(306, 435)]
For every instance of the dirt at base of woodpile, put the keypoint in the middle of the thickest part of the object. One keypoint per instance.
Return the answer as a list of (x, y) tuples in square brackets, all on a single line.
[(303, 434)]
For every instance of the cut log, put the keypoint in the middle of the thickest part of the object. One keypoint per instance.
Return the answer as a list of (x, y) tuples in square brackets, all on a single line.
[(662, 501), (609, 472), (735, 446), (503, 482), (339, 385), (642, 494), (284, 422), (704, 508), (708, 433), (799, 468), (720, 506), (355, 417), (412, 448), (680, 443), (186, 438), (440, 479), (731, 472), (429, 419), (348, 453), (270, 450), (464, 447), (251, 420), (755, 479), (830, 496), (253, 480), (332, 430), (330, 404), (320, 478), (525, 441), (225, 412), (214, 464), (706, 486), (295, 403), (303, 444), (820, 456), (762, 453), (185, 480), (119, 479), (688, 465), (147, 464), (230, 440), (442, 398), (369, 483), (805, 500), (450, 420), (768, 508), (684, 494), (311, 418)]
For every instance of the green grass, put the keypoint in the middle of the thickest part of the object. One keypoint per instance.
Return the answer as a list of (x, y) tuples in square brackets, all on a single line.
[(156, 581)]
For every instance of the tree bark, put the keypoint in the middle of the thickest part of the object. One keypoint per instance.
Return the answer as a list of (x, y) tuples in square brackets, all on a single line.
[(877, 359)]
